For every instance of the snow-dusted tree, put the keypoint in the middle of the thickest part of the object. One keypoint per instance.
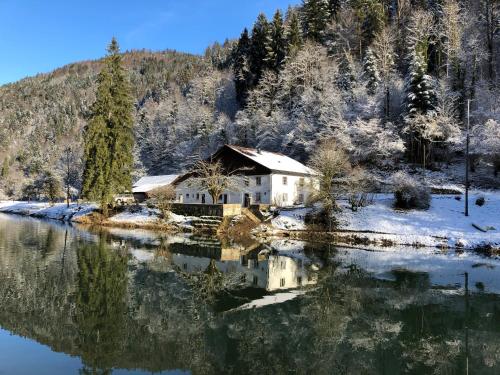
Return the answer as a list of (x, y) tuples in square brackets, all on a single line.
[(330, 162), (346, 78), (419, 32), (371, 72), (334, 7), (383, 46), (420, 88), (276, 43), (375, 143), (485, 141), (450, 30)]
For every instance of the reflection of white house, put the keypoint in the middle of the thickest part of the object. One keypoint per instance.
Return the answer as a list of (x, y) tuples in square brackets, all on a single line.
[(149, 183), (263, 178), (270, 273)]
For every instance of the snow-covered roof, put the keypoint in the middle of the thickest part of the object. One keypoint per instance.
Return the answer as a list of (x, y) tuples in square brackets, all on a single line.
[(274, 161), (149, 183)]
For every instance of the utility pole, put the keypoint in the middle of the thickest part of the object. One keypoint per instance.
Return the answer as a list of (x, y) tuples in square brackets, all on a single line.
[(467, 142), (466, 323)]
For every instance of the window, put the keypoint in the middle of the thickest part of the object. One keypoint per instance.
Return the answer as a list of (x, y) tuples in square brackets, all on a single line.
[(187, 195), (285, 197), (301, 198), (283, 264), (282, 283), (247, 181), (258, 197), (258, 181), (185, 266), (255, 280), (301, 182), (299, 280), (285, 180), (198, 197)]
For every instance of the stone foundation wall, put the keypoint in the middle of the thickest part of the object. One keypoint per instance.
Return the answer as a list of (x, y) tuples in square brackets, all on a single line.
[(218, 210)]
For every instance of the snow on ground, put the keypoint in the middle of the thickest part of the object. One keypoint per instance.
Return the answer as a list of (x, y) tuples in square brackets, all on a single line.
[(292, 219), (444, 269), (143, 216), (272, 299), (443, 222), (58, 211), (445, 218)]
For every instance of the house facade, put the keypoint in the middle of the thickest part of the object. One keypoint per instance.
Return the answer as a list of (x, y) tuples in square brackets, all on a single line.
[(263, 177)]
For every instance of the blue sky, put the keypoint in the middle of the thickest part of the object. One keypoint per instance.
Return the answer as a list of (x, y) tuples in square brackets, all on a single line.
[(38, 36)]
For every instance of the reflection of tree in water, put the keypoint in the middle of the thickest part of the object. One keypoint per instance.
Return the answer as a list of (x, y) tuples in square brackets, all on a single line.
[(101, 303)]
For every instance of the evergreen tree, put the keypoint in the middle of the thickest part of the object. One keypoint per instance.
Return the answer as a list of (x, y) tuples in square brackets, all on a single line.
[(370, 17), (276, 43), (109, 138), (421, 97), (334, 7), (241, 67), (258, 52), (371, 72), (346, 79), (316, 18), (294, 35)]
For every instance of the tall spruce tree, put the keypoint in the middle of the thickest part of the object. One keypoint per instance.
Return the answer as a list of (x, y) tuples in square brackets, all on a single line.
[(421, 96), (260, 33), (294, 35), (316, 17), (241, 67), (109, 137), (276, 43), (371, 72)]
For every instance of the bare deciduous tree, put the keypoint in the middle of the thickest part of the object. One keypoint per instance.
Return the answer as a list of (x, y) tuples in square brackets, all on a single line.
[(383, 46), (162, 198), (212, 177), (330, 162)]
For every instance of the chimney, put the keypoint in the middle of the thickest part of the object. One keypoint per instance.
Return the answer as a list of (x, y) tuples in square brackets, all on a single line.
[(258, 151)]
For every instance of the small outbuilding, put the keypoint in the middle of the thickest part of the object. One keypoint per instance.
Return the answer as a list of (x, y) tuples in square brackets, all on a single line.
[(149, 183)]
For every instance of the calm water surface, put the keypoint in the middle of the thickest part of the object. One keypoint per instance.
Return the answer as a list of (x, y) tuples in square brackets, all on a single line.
[(76, 301)]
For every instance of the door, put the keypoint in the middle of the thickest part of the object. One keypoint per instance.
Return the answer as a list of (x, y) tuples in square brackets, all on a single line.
[(203, 199), (225, 198), (246, 200)]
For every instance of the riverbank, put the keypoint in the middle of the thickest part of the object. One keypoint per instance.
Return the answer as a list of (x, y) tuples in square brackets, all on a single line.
[(379, 225), (443, 225)]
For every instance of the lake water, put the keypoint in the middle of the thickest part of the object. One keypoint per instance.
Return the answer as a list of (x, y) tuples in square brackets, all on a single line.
[(77, 301)]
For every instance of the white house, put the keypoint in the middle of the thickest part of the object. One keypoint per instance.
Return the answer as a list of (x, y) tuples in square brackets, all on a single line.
[(149, 183), (265, 178)]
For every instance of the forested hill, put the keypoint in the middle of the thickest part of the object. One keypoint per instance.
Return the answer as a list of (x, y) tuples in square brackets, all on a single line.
[(387, 80)]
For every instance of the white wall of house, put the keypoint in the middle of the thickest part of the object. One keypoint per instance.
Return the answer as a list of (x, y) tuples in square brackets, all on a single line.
[(277, 272), (274, 189)]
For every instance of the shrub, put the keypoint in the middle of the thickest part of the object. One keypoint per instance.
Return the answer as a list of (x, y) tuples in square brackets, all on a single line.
[(163, 198), (480, 201), (410, 193)]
